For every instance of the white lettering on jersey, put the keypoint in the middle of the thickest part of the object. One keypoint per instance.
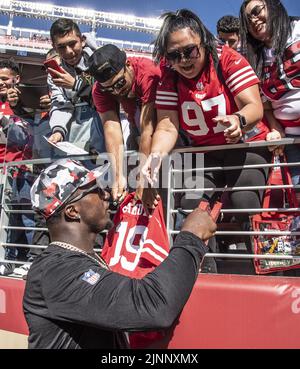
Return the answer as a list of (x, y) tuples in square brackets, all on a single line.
[(137, 209), (199, 120), (144, 245), (132, 248)]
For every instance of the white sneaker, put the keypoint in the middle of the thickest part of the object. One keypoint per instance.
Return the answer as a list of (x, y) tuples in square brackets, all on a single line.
[(22, 270), (6, 269)]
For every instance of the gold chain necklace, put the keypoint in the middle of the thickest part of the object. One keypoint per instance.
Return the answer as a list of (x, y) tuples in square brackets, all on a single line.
[(97, 258)]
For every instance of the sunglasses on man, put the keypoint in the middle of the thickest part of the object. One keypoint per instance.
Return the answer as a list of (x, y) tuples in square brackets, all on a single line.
[(120, 83), (188, 52), (94, 189)]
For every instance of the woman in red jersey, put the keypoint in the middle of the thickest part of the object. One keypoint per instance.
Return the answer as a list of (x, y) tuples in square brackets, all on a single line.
[(271, 40), (212, 93)]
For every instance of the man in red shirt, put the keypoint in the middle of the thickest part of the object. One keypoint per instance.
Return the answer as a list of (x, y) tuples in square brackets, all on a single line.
[(14, 146), (14, 134), (128, 84), (9, 76)]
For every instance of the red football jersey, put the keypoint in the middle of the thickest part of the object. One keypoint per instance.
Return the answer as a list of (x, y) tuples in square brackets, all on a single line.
[(11, 152), (134, 247), (275, 86), (200, 99), (146, 78), (5, 109), (138, 242), (281, 83)]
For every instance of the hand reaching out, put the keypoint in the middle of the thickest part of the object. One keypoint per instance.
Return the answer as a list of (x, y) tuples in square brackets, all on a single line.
[(151, 168), (276, 134), (233, 132), (148, 196), (118, 190)]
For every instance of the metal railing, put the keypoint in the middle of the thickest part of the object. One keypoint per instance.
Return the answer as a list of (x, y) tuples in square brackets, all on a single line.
[(9, 207), (172, 191)]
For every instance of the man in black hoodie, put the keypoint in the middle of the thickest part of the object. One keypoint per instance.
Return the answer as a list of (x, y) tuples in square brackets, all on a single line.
[(72, 299)]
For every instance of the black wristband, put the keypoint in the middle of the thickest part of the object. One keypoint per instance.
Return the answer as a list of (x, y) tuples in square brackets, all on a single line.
[(242, 120)]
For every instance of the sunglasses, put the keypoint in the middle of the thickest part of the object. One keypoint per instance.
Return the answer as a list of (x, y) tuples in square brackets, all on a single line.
[(255, 12), (120, 83), (189, 52), (94, 189)]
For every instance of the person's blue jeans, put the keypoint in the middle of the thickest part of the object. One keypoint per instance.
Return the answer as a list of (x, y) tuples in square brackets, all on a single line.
[(20, 200)]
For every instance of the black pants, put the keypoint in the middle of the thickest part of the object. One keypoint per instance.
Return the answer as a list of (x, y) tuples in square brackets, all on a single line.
[(233, 178)]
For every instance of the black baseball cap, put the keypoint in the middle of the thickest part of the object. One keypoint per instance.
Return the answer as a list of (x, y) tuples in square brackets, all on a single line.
[(106, 62)]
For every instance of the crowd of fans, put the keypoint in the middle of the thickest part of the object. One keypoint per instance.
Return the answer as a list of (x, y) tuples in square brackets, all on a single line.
[(40, 41), (240, 86), (38, 37)]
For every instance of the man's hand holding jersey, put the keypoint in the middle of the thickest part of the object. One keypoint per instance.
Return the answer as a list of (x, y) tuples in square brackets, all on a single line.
[(200, 223)]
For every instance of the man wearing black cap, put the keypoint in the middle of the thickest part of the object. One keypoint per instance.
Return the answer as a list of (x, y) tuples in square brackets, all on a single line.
[(130, 82), (72, 299)]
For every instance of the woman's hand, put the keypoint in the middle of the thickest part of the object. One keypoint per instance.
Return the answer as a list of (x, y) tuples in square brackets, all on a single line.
[(232, 132), (118, 190), (276, 134), (148, 196), (151, 168)]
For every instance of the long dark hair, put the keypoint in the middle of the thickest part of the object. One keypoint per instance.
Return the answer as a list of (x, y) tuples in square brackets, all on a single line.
[(278, 26), (183, 18)]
